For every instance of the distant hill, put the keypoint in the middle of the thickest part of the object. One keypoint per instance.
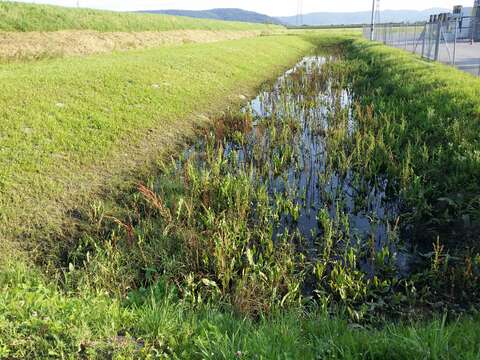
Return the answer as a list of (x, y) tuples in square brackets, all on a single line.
[(221, 14), (362, 17), (18, 16)]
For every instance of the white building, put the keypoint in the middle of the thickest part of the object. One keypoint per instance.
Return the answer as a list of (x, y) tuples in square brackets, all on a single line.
[(466, 20), (463, 16)]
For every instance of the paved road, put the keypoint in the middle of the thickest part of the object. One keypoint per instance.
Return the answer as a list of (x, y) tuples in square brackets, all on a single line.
[(467, 54)]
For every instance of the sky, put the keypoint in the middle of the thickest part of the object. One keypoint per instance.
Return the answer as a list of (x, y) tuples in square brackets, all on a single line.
[(269, 7)]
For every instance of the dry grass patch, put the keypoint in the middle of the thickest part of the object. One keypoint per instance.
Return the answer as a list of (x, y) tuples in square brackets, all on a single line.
[(35, 45)]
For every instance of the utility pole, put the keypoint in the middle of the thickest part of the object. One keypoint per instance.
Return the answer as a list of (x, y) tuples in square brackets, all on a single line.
[(372, 28), (300, 13)]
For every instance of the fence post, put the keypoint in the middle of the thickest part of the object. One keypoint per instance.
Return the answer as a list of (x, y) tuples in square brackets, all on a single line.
[(392, 41), (414, 45), (473, 29), (424, 39), (437, 40), (391, 36), (455, 42), (372, 24)]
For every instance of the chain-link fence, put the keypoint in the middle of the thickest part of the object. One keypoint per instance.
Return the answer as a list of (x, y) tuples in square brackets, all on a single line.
[(451, 40)]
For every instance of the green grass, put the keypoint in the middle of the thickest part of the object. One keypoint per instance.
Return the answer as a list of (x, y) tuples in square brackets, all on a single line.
[(38, 320), (16, 16), (62, 118), (207, 221), (431, 120), (174, 272)]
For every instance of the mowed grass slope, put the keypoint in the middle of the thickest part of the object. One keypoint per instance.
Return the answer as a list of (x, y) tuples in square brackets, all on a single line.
[(27, 17), (65, 125), (64, 121)]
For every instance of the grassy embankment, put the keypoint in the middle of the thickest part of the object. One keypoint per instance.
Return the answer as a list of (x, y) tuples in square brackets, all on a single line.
[(67, 124), (187, 319), (429, 117), (29, 17), (32, 32)]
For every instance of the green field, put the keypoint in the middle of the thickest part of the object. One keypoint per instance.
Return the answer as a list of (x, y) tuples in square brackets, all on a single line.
[(62, 119), (27, 17), (116, 243)]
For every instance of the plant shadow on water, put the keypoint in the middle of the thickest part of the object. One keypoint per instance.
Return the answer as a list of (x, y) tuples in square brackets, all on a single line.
[(282, 138), (282, 204)]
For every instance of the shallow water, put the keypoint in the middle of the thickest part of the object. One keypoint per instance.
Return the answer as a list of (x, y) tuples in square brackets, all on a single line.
[(286, 147)]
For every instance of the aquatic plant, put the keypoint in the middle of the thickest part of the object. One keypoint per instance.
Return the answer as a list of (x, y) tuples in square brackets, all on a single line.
[(295, 199)]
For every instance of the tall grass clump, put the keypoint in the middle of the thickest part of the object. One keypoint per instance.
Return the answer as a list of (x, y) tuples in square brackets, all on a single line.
[(39, 319)]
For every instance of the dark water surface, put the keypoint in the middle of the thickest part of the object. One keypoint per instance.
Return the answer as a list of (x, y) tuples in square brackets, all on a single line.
[(286, 146)]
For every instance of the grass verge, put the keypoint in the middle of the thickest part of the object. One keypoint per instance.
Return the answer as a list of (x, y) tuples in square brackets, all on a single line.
[(430, 118), (117, 288), (37, 320), (68, 124), (16, 16)]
